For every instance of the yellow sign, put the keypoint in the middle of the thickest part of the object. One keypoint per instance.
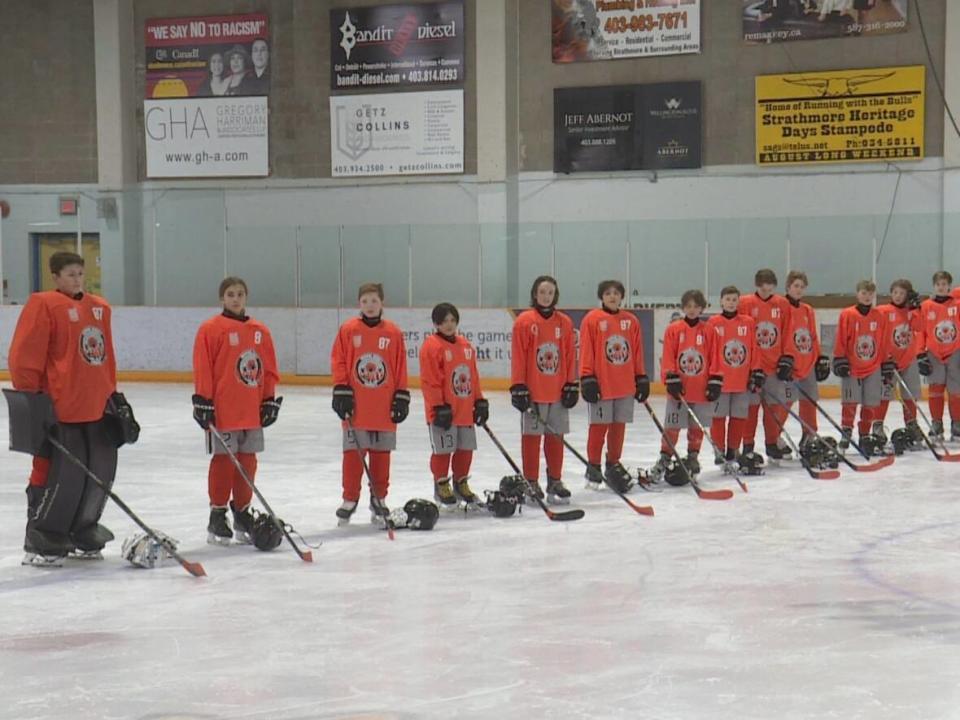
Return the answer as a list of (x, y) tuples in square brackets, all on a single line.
[(867, 115)]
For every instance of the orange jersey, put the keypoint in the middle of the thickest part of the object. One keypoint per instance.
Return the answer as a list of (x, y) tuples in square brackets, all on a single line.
[(771, 317), (64, 347), (448, 375), (800, 340), (611, 349), (235, 365), (544, 356), (939, 327), (735, 349), (863, 340), (690, 352), (372, 361), (905, 330)]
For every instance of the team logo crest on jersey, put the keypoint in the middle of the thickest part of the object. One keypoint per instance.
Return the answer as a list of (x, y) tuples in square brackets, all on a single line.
[(249, 368), (767, 334), (371, 370), (734, 353), (548, 359), (462, 381), (902, 336), (946, 331), (617, 350), (93, 346), (803, 340), (866, 347), (691, 362)]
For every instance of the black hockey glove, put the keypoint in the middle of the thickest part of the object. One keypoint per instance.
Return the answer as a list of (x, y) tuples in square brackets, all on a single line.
[(343, 403), (203, 411), (785, 368), (442, 416), (269, 410), (924, 365), (520, 397), (913, 300), (400, 407), (757, 378), (641, 388), (841, 367), (822, 369), (481, 411), (674, 386), (570, 395), (590, 388), (888, 369), (714, 387), (128, 429)]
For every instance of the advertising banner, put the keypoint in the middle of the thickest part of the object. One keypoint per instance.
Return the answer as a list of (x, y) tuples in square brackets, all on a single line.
[(627, 127), (586, 30), (397, 46), (768, 21), (206, 137), (397, 134), (864, 115), (207, 56)]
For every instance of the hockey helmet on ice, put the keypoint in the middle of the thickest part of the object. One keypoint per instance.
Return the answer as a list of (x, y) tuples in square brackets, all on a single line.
[(143, 551), (513, 486), (675, 473), (267, 533), (501, 505), (421, 514)]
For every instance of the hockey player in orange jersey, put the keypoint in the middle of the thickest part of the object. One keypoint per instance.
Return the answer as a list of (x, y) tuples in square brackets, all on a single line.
[(62, 351), (454, 404), (941, 331), (612, 375), (544, 382), (235, 378), (370, 396)]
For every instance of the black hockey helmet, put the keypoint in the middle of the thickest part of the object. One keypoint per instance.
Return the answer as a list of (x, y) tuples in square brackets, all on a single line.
[(501, 505), (513, 486), (266, 533), (675, 474), (901, 441), (421, 514)]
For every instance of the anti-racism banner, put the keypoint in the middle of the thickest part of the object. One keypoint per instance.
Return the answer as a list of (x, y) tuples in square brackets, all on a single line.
[(206, 137), (418, 133), (768, 21), (613, 29), (627, 127), (397, 46), (840, 116), (207, 56)]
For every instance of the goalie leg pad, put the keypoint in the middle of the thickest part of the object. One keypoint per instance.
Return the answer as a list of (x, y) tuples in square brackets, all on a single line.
[(65, 483), (102, 461)]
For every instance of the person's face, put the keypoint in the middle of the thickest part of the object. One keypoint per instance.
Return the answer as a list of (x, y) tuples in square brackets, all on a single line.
[(611, 299), (765, 290), (796, 289), (69, 280), (235, 299), (449, 325), (941, 287), (692, 310), (865, 297), (236, 63), (260, 54), (546, 292), (729, 302), (370, 305), (898, 295), (216, 64)]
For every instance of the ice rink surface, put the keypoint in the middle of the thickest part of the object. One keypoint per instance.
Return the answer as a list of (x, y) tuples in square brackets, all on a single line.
[(801, 599)]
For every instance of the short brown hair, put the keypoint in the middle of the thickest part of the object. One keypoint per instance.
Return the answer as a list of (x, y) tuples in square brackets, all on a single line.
[(538, 282), (693, 296), (368, 288), (942, 275), (608, 284), (729, 290), (795, 275), (231, 281), (765, 276), (902, 283), (868, 285), (59, 260)]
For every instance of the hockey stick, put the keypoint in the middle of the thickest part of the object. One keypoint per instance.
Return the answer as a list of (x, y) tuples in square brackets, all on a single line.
[(701, 493), (558, 516), (946, 456), (194, 568), (870, 466), (374, 500), (639, 509), (736, 476), (832, 473), (305, 555)]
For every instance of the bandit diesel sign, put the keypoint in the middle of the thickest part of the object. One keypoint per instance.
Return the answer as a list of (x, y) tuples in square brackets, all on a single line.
[(840, 116)]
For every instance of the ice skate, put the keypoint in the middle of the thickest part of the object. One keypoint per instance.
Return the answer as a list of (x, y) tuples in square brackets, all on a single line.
[(845, 440), (32, 559), (42, 548), (729, 462), (692, 463), (954, 430), (557, 492), (936, 431), (655, 473), (915, 435), (444, 496), (242, 525), (218, 529), (465, 494), (593, 477), (618, 477), (379, 512), (90, 541), (878, 431), (345, 511), (534, 490)]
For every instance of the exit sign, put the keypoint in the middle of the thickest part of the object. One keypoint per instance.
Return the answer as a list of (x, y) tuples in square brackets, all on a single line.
[(68, 206)]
